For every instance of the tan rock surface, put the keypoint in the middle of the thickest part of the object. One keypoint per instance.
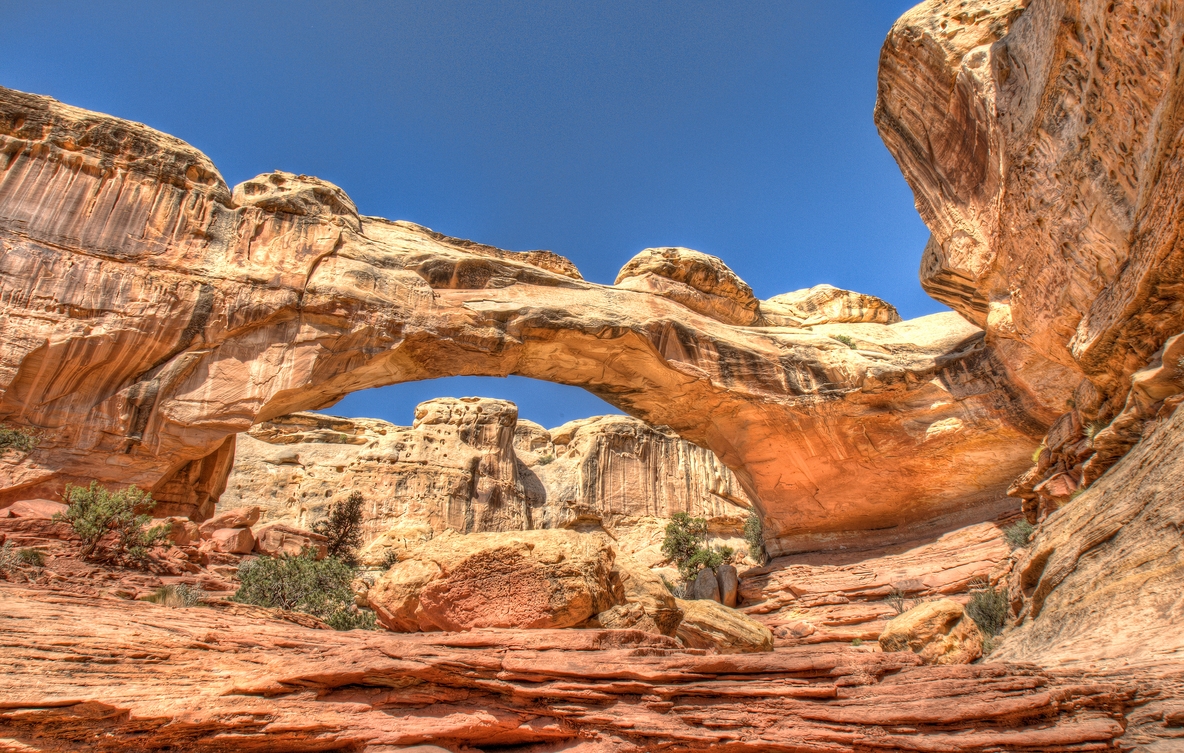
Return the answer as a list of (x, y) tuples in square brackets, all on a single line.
[(937, 631), (826, 304), (1042, 144), (276, 539), (1103, 579), (524, 580), (149, 677), (710, 625), (701, 282), (174, 314), (640, 586), (610, 473)]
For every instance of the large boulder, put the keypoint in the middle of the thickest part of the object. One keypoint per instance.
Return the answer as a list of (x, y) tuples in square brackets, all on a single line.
[(641, 587), (276, 539), (826, 304), (939, 632), (233, 540), (710, 625), (522, 579), (699, 281), (240, 517)]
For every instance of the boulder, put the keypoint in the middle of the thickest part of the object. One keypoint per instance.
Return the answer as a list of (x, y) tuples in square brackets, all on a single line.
[(233, 540), (178, 531), (240, 517), (36, 508), (729, 585), (704, 586), (627, 617), (640, 586), (939, 632), (826, 304), (699, 281), (710, 625), (275, 539), (522, 579)]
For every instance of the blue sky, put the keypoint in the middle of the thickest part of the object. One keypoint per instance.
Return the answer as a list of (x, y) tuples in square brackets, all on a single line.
[(595, 130)]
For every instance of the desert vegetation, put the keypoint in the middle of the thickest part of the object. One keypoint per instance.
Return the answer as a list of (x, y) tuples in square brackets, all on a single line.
[(111, 524)]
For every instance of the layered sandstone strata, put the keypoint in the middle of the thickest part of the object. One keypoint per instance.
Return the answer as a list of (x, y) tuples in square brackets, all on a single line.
[(82, 674), (152, 313)]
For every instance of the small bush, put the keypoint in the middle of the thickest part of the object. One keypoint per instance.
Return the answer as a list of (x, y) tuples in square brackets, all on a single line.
[(1019, 534), (95, 512), (389, 559), (754, 534), (300, 583), (546, 459), (21, 440), (846, 340), (898, 601), (988, 608), (31, 557), (685, 537), (679, 591), (1094, 427), (343, 528), (180, 595), (857, 642)]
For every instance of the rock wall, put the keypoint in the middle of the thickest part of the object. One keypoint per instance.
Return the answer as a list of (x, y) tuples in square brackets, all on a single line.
[(471, 465), (150, 313), (1043, 141)]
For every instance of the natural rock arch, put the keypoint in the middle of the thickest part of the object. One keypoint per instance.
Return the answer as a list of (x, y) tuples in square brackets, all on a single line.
[(151, 314)]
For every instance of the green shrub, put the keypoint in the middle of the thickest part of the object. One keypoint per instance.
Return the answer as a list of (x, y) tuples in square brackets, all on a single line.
[(989, 609), (343, 529), (546, 459), (1019, 534), (300, 583), (390, 558), (846, 340), (898, 601), (180, 595), (95, 512), (19, 439), (754, 534), (686, 546), (31, 557), (857, 642)]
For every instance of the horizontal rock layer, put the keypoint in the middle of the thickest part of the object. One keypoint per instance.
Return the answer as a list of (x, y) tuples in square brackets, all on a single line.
[(82, 673)]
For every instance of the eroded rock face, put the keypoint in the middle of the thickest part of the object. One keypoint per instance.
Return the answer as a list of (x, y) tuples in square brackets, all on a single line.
[(525, 580), (1042, 144), (698, 281), (1103, 579), (826, 304), (152, 314), (469, 465), (710, 625)]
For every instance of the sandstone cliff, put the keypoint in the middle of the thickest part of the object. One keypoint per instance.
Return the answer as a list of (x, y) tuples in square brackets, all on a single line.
[(1042, 141), (472, 465), (152, 313)]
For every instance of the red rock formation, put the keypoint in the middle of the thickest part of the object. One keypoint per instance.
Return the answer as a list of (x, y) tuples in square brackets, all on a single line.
[(82, 674), (152, 314)]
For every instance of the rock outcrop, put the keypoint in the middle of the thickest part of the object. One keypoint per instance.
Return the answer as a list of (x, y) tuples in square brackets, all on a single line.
[(1042, 143), (151, 314), (939, 632), (710, 625), (826, 304)]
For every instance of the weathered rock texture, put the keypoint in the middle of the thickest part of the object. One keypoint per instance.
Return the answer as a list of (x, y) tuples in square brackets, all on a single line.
[(1103, 579), (469, 465), (937, 631), (103, 675), (1043, 143), (150, 314), (524, 580)]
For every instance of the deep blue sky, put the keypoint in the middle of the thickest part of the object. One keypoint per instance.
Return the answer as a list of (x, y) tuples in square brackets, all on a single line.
[(594, 130)]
